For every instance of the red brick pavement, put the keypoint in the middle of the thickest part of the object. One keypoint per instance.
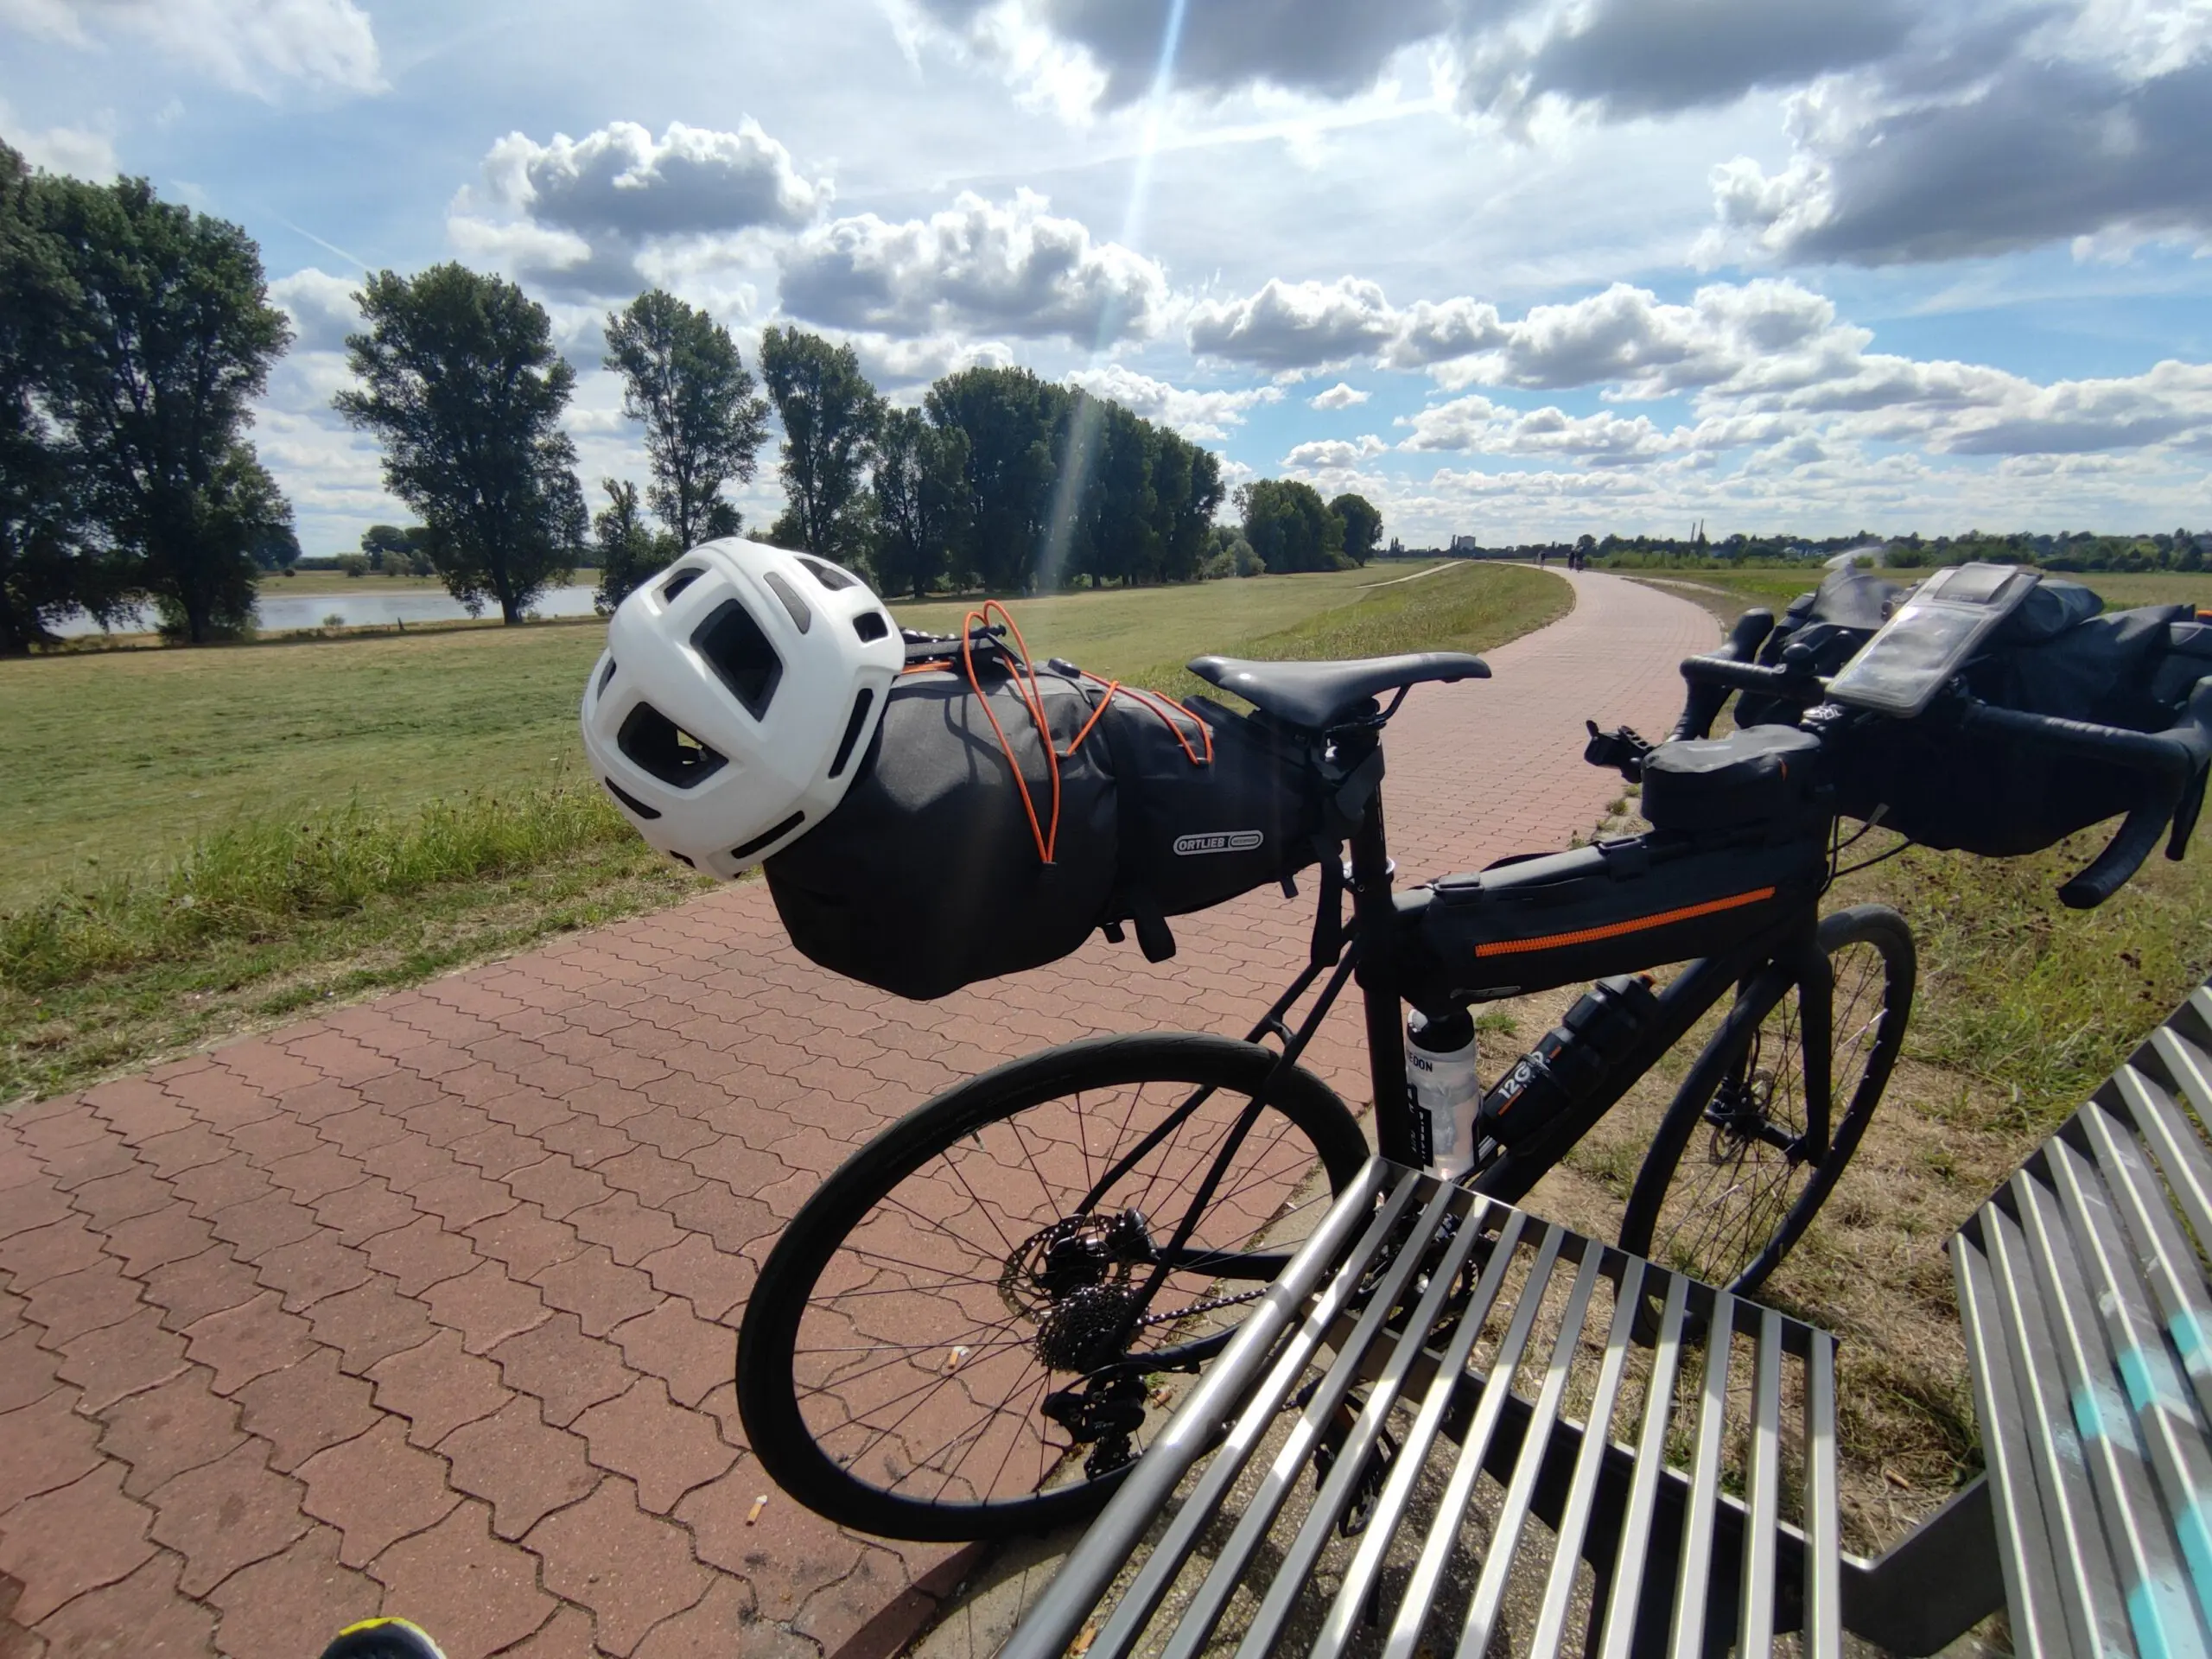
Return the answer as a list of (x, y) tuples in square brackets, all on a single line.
[(427, 1305)]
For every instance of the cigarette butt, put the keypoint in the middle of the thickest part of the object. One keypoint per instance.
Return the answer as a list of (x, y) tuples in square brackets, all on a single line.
[(1085, 1638), (952, 1360), (759, 1504)]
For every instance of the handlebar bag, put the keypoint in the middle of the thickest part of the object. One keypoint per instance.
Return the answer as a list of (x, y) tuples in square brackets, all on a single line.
[(1758, 775), (928, 876), (1999, 797), (1617, 907)]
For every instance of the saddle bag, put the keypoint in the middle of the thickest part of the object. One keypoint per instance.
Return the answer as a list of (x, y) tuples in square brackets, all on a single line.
[(1617, 907), (930, 875)]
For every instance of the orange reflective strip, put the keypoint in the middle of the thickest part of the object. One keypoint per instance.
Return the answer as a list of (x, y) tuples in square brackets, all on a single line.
[(1614, 929)]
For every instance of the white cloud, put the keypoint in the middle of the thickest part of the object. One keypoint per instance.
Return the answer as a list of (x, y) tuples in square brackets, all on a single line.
[(586, 214), (1293, 327), (1334, 455), (85, 151), (250, 45), (1206, 415), (1343, 394), (1476, 426), (321, 306), (1009, 267)]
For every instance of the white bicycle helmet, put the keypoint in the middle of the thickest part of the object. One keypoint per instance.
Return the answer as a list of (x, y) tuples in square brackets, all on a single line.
[(736, 698)]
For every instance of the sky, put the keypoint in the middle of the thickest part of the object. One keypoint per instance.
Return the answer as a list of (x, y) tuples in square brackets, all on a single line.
[(1512, 269)]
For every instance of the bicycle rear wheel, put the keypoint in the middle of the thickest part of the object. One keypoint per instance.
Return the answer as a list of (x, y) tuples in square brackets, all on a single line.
[(937, 1346), (1723, 1194)]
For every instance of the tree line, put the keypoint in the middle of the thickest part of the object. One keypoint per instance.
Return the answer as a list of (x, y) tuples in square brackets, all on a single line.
[(136, 333)]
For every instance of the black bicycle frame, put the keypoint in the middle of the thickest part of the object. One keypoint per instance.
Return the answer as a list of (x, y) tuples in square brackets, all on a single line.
[(1371, 955)]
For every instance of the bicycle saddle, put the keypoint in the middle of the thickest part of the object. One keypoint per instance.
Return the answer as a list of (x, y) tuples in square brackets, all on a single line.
[(1318, 695)]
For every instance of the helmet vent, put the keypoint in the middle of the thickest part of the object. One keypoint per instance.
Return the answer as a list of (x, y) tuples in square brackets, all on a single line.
[(676, 583), (768, 837), (871, 626), (782, 590), (661, 747), (740, 653), (828, 574), (861, 705), (630, 800)]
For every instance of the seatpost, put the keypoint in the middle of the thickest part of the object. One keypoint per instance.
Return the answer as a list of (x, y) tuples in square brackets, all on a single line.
[(1374, 919)]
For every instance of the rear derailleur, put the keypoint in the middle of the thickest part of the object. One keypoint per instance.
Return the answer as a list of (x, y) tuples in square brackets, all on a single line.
[(1103, 1412)]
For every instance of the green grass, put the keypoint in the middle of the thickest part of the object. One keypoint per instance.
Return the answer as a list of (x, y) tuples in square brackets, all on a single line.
[(202, 840)]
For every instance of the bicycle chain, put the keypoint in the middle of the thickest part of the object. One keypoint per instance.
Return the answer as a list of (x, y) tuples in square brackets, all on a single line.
[(1196, 1308)]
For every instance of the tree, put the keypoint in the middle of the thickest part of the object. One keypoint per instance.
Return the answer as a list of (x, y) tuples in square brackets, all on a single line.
[(165, 341), (921, 498), (829, 413), (683, 378), (1362, 525), (461, 383), (1008, 418), (47, 567), (1289, 526), (630, 553)]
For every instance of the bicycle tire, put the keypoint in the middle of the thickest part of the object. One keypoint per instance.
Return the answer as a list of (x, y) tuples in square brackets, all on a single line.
[(807, 1408), (1669, 1189)]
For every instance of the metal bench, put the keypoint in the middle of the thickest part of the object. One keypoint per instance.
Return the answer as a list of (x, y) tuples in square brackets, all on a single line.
[(1582, 1465)]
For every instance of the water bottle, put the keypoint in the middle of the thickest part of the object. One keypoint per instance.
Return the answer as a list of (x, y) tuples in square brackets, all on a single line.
[(1443, 1091), (1599, 1031)]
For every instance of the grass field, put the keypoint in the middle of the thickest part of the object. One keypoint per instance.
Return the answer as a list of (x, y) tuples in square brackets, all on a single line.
[(197, 840)]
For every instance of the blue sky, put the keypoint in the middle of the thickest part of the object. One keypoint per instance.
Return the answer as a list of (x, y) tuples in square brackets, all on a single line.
[(1512, 268)]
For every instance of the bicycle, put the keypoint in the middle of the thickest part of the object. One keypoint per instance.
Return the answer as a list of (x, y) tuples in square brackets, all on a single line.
[(958, 1335)]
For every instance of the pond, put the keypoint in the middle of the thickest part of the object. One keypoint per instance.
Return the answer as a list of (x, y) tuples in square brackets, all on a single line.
[(279, 612)]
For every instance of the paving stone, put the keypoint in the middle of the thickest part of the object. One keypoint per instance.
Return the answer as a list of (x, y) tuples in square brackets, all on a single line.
[(226, 1514), (120, 1359), (714, 1280), (320, 1265), (632, 1569), (596, 1289), (654, 1179), (144, 1615), (462, 1198), (376, 1490), (365, 1211), (38, 1205), (270, 1610), (212, 1188), (568, 1635), (726, 1619), (49, 1444), (170, 1234), (70, 1304), (629, 1230), (200, 1285), (485, 1307), (732, 1220), (72, 1538), (165, 1431), (71, 1167), (557, 1186), (691, 1355), (317, 1173), (420, 1255), (664, 1449), (525, 1241), (368, 1324), (518, 1463), (260, 1225), (171, 1155), (562, 1368), (113, 1198), (27, 1371), (31, 1257), (305, 1408), (438, 1387), (477, 1592), (248, 1341)]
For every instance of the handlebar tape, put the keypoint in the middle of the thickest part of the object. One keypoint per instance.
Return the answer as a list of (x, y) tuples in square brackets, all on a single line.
[(1706, 699)]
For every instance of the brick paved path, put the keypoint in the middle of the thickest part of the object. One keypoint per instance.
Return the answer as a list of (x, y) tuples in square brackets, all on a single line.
[(428, 1307)]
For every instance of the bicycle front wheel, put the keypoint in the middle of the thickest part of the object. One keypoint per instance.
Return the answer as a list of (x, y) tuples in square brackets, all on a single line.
[(946, 1342), (1726, 1189)]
